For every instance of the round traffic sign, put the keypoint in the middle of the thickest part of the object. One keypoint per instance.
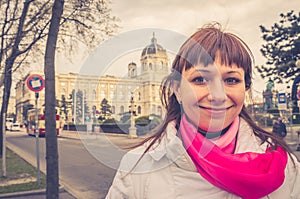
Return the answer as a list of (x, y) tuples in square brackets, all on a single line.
[(35, 82), (298, 95)]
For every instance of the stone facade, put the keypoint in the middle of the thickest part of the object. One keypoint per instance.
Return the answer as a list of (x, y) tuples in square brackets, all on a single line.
[(143, 87)]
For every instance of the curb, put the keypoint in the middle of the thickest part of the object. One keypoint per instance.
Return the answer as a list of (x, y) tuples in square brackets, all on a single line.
[(292, 144), (29, 193), (76, 134)]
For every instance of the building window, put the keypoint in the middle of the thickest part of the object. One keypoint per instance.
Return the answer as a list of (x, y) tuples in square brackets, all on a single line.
[(153, 109), (159, 110), (132, 72), (102, 94), (63, 92), (112, 95), (121, 95), (122, 109), (129, 95), (94, 95), (161, 65), (113, 109), (139, 110)]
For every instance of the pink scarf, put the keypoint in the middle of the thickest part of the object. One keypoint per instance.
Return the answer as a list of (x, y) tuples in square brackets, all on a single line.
[(249, 175)]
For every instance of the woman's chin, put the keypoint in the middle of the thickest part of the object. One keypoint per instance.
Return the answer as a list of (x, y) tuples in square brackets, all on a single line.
[(213, 129)]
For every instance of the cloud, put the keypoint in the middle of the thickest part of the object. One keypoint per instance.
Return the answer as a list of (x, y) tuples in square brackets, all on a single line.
[(240, 17), (178, 13)]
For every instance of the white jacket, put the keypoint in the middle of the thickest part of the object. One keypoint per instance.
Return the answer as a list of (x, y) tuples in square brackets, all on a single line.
[(167, 172)]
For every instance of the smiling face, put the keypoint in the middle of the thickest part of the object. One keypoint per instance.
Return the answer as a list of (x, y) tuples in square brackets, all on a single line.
[(212, 96)]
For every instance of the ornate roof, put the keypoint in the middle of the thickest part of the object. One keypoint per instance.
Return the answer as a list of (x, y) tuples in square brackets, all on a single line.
[(153, 48)]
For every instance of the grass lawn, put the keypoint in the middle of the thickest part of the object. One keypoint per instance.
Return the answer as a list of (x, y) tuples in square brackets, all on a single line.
[(20, 175)]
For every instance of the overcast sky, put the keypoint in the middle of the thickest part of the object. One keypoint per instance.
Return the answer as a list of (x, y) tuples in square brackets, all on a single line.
[(238, 16), (185, 17)]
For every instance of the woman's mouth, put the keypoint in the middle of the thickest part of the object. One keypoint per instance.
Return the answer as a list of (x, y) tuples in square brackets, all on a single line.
[(216, 110)]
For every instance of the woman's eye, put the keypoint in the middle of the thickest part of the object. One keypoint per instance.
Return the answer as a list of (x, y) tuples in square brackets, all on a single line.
[(232, 80), (199, 80)]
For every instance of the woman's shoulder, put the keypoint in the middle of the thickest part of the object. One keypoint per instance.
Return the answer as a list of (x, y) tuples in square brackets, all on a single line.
[(141, 160), (290, 186), (247, 140), (130, 159)]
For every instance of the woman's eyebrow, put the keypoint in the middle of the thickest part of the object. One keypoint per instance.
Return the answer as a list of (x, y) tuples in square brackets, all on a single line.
[(205, 70), (202, 70), (233, 72)]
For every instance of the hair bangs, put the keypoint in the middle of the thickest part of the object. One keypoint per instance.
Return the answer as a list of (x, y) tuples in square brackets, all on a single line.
[(233, 51), (196, 53), (209, 44)]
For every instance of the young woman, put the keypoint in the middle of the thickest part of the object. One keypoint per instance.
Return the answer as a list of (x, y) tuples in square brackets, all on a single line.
[(208, 146)]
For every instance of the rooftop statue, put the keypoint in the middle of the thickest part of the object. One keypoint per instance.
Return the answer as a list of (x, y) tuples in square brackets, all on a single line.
[(270, 85)]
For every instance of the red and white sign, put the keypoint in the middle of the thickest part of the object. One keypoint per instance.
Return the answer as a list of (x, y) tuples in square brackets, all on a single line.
[(35, 82), (298, 95)]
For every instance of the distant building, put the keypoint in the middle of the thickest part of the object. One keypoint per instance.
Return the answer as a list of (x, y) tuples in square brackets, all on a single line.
[(144, 87), (11, 104)]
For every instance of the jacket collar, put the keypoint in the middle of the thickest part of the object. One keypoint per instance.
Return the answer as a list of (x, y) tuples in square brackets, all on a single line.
[(171, 147)]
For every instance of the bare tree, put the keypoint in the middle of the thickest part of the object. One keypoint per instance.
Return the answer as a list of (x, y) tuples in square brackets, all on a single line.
[(49, 70), (13, 49), (25, 25)]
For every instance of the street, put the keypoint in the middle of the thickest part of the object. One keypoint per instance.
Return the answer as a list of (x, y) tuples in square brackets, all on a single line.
[(87, 162)]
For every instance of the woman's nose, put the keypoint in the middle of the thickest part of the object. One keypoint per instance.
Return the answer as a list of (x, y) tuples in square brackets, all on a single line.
[(217, 92)]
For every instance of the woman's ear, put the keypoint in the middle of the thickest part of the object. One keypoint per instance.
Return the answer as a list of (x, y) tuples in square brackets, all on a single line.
[(177, 91)]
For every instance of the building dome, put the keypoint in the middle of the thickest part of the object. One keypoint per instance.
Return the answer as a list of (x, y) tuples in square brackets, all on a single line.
[(132, 69), (154, 61), (131, 64), (153, 48)]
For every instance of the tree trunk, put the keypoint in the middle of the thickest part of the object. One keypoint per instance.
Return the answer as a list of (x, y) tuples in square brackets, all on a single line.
[(5, 98), (50, 113), (8, 68)]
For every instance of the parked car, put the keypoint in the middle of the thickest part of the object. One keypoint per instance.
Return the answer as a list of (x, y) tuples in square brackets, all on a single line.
[(8, 122), (14, 127)]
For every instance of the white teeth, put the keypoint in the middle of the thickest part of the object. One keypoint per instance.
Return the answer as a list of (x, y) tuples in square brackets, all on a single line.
[(214, 109)]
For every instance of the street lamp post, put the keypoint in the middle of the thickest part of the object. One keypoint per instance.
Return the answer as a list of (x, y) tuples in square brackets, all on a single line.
[(132, 128), (68, 105)]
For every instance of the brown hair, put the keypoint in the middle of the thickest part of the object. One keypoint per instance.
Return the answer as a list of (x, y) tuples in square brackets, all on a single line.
[(202, 48)]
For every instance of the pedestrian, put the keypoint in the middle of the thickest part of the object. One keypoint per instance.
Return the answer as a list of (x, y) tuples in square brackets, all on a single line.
[(279, 128), (208, 146)]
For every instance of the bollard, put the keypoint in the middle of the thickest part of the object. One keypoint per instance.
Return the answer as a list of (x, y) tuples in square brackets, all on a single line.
[(298, 147)]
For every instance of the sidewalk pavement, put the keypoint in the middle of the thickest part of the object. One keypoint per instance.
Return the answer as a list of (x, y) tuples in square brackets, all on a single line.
[(36, 194)]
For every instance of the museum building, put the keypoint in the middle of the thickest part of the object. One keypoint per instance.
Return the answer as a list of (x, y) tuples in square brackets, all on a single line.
[(141, 85)]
